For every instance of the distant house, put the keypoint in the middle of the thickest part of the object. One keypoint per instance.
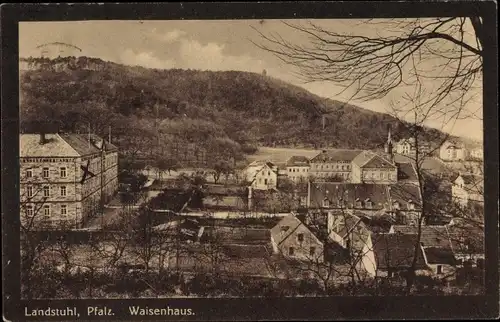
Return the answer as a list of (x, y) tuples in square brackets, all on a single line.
[(468, 188), (407, 146), (453, 150), (401, 201), (262, 175), (369, 167), (394, 254), (436, 244), (335, 163), (295, 240), (297, 168)]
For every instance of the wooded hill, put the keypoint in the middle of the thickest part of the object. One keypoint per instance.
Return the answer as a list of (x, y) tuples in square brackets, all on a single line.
[(191, 108)]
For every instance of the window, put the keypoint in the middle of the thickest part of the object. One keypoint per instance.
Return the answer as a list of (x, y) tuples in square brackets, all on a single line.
[(63, 209), (326, 203), (312, 251), (45, 172), (63, 191), (291, 251), (265, 181), (46, 210), (29, 191), (289, 170), (268, 173), (29, 173), (63, 172), (300, 238), (46, 191), (440, 269), (29, 210)]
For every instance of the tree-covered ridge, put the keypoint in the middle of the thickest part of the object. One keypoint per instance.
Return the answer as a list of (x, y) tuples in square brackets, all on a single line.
[(194, 107)]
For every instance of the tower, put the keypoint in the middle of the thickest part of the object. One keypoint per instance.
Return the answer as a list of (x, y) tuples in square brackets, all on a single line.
[(389, 145)]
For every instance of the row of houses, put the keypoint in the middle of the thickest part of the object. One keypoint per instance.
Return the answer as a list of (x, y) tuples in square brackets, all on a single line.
[(325, 237), (65, 178), (355, 166)]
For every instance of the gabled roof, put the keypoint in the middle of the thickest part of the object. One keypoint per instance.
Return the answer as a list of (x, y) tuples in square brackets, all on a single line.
[(297, 161), (368, 159), (336, 155), (396, 251), (295, 222), (430, 236)]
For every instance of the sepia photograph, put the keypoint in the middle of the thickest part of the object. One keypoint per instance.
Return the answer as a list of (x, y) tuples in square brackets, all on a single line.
[(250, 158)]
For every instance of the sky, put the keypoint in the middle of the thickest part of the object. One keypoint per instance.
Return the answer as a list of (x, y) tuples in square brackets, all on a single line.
[(209, 45)]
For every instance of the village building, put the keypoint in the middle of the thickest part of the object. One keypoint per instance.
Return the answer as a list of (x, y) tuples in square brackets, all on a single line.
[(436, 245), (335, 164), (408, 147), (394, 254), (452, 150), (262, 175), (369, 167), (468, 188), (292, 238), (349, 231), (65, 178), (297, 168), (402, 202)]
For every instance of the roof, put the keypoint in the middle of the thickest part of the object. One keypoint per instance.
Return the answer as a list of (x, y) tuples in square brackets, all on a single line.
[(29, 146), (336, 155), (297, 161), (430, 236), (396, 251), (80, 143), (294, 222), (404, 193), (236, 235), (58, 145), (466, 237), (406, 171), (108, 146), (437, 255), (348, 192), (369, 159)]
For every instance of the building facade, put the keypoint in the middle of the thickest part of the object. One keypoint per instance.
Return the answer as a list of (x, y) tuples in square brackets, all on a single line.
[(262, 175), (335, 164), (294, 240), (65, 178), (297, 168), (369, 167), (407, 146), (452, 151)]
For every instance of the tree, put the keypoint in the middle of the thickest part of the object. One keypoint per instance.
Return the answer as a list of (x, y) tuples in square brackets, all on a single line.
[(433, 61), (372, 64), (221, 167)]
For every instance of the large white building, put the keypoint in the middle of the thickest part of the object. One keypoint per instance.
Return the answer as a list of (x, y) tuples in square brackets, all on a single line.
[(65, 178)]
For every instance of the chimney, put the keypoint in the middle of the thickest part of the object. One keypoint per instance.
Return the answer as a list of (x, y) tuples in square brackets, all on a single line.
[(43, 139)]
